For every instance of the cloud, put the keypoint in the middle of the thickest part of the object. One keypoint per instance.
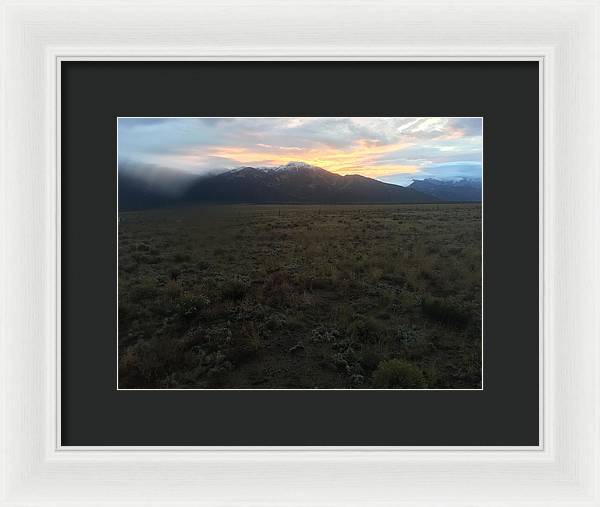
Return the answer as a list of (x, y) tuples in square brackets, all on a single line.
[(374, 147), (468, 126)]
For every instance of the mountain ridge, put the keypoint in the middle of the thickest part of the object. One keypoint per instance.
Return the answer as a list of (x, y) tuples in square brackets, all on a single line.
[(298, 182), (459, 190), (294, 182)]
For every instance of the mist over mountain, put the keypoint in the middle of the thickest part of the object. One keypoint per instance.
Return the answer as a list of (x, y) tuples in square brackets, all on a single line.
[(460, 190), (145, 186), (295, 182), (162, 180)]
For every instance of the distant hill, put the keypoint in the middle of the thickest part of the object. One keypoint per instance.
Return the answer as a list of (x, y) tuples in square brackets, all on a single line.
[(299, 183), (295, 182), (462, 190)]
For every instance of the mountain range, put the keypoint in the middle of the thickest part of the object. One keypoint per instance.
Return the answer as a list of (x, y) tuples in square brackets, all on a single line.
[(295, 182), (463, 189)]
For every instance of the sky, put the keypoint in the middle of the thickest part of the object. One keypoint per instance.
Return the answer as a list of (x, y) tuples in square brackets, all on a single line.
[(395, 150)]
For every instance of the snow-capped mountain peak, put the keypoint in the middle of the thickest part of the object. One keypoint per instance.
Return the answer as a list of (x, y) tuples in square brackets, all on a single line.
[(290, 166), (295, 165)]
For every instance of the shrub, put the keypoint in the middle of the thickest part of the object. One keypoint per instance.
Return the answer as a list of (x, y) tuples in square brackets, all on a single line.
[(275, 321), (445, 310), (277, 290), (245, 344), (366, 328), (396, 373), (144, 291), (140, 364), (181, 257), (235, 289), (318, 283), (406, 336), (369, 359), (202, 265), (218, 337), (324, 335), (189, 305), (127, 266)]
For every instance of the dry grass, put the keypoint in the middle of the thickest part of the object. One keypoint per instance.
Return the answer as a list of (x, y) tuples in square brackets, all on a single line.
[(301, 297)]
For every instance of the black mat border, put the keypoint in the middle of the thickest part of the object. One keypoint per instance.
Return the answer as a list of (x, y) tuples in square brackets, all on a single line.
[(505, 413)]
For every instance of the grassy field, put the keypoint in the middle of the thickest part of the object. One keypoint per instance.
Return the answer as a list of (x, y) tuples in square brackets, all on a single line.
[(286, 296)]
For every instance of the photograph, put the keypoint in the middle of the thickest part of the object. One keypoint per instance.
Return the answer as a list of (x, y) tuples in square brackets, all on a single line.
[(331, 253)]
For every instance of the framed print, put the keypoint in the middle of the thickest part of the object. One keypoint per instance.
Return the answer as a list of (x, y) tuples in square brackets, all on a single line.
[(245, 277), (255, 257), (250, 260)]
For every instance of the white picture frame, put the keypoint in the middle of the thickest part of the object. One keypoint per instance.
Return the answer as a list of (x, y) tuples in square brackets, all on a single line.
[(563, 36)]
